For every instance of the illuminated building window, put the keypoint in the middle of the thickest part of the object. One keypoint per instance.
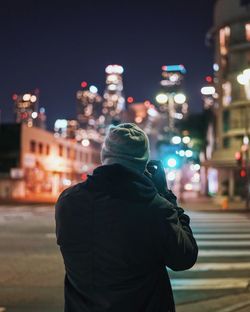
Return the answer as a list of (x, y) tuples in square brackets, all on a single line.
[(224, 40), (247, 28), (32, 146), (227, 90), (47, 149), (40, 148), (60, 150)]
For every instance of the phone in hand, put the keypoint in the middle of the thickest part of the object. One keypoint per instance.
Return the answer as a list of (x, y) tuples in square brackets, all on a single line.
[(158, 176)]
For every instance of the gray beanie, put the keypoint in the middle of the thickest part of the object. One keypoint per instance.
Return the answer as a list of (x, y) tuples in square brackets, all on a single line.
[(126, 144)]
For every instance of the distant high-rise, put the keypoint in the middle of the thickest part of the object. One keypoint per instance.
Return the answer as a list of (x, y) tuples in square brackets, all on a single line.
[(89, 114), (89, 107), (171, 100), (114, 101), (26, 109)]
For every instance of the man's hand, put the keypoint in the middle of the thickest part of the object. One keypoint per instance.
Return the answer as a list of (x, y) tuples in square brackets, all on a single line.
[(158, 176)]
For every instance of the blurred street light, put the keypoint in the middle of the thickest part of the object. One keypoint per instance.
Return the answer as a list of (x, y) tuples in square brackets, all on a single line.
[(162, 98), (186, 139), (171, 162), (180, 98), (209, 90), (176, 139)]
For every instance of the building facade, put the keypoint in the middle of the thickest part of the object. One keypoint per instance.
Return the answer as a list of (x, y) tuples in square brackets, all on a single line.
[(231, 38), (35, 165)]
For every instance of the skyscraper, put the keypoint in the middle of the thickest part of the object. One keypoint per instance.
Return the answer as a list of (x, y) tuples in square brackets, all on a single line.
[(114, 101), (26, 109)]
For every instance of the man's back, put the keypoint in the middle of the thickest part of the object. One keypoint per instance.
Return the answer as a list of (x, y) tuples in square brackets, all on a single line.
[(116, 236)]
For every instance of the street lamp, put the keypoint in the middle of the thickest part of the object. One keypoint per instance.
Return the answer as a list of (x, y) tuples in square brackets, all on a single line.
[(170, 99), (180, 98), (162, 98)]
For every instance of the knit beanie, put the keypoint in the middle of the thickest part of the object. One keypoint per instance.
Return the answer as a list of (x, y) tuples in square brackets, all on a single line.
[(126, 144)]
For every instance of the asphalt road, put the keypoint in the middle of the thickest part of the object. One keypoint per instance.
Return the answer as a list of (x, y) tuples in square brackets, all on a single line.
[(31, 269)]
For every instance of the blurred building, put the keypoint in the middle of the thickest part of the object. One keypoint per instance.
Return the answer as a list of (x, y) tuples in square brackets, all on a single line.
[(66, 128), (171, 98), (26, 109), (114, 101), (231, 38), (35, 165), (90, 116)]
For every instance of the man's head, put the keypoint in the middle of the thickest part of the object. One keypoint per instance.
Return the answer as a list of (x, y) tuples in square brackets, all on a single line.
[(126, 144)]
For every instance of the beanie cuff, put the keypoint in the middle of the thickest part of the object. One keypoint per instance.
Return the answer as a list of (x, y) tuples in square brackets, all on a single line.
[(131, 164)]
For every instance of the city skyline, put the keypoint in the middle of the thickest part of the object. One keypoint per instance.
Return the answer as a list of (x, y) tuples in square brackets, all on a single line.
[(56, 48)]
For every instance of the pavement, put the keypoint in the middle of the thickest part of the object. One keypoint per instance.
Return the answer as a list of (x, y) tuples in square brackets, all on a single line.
[(32, 272), (215, 204)]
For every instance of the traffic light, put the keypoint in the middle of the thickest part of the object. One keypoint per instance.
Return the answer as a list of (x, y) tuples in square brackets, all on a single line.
[(241, 164), (243, 173)]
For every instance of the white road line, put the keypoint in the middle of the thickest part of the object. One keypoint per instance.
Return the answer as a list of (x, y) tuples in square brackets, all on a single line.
[(219, 219), (212, 225), (222, 236), (235, 307), (50, 235), (220, 230), (223, 253), (223, 243), (214, 266), (209, 283)]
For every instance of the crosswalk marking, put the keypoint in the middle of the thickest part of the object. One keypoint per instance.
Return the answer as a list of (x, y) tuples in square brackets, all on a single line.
[(220, 230), (224, 225), (209, 283), (222, 236), (214, 266), (235, 307), (223, 243), (223, 253)]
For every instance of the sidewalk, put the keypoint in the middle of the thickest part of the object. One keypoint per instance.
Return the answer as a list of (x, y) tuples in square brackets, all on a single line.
[(203, 203)]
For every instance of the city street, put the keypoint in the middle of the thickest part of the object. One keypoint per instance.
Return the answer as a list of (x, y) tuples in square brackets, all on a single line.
[(31, 271)]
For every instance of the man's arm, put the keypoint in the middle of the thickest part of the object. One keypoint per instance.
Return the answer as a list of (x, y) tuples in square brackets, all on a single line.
[(174, 235)]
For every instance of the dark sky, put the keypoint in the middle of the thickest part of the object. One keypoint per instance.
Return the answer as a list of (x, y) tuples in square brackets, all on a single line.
[(54, 45)]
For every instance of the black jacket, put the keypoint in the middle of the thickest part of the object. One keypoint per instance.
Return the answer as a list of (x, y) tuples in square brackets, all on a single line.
[(117, 235)]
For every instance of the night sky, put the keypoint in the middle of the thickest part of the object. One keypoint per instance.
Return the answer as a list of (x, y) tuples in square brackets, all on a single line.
[(54, 45)]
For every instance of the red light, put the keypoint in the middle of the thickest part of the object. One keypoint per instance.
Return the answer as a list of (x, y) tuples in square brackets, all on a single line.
[(130, 99), (24, 115), (84, 176), (237, 155), (14, 97), (84, 84), (243, 173), (209, 79)]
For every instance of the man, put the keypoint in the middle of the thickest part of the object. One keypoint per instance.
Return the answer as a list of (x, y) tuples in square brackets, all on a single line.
[(120, 229)]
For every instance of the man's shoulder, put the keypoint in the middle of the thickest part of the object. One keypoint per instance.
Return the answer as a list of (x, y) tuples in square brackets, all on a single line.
[(76, 191)]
